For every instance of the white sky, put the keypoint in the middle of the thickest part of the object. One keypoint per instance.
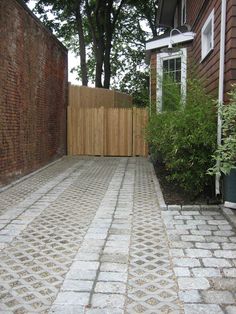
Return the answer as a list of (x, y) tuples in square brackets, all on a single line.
[(73, 61)]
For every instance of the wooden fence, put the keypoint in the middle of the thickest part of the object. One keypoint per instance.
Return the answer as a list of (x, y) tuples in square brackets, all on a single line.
[(107, 131), (87, 97)]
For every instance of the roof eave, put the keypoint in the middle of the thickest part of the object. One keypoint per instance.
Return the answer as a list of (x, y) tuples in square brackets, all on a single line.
[(175, 39), (166, 13)]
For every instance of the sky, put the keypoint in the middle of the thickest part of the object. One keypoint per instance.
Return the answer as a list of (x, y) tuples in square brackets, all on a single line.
[(73, 61)]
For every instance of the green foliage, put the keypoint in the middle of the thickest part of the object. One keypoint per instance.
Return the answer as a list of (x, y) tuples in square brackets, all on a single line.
[(171, 94), (136, 84), (185, 139), (128, 40), (225, 154)]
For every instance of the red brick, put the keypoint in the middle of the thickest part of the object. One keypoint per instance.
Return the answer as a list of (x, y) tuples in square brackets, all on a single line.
[(33, 93)]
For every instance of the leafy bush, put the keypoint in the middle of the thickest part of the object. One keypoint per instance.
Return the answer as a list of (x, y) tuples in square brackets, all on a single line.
[(225, 155), (185, 139), (171, 94)]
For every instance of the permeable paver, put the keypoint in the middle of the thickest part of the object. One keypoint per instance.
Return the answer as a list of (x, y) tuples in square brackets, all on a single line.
[(86, 235)]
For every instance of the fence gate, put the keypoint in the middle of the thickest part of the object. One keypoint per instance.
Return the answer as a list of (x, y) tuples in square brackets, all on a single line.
[(107, 131)]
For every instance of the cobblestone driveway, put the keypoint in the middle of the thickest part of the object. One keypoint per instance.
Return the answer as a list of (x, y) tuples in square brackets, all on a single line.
[(86, 235)]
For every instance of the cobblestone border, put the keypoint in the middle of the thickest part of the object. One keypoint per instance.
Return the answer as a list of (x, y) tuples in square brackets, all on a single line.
[(96, 280), (10, 185), (164, 206), (230, 214), (158, 190)]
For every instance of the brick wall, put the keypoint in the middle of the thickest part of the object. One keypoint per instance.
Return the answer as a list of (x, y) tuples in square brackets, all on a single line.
[(33, 93)]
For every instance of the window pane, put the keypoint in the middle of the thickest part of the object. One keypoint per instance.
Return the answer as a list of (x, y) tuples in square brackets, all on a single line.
[(172, 64), (166, 65), (171, 85), (171, 92), (178, 63)]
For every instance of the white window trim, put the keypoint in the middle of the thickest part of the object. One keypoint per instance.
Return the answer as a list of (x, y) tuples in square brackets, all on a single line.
[(210, 20), (165, 56)]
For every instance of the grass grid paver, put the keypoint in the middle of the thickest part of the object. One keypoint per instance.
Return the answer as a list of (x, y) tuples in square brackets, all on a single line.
[(152, 287), (33, 266), (24, 189), (86, 235), (109, 278)]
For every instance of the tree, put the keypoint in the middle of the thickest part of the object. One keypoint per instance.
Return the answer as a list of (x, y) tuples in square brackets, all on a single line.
[(147, 10), (102, 18), (129, 71), (106, 34), (82, 47), (96, 18)]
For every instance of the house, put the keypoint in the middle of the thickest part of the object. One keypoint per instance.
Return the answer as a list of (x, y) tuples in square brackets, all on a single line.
[(194, 33)]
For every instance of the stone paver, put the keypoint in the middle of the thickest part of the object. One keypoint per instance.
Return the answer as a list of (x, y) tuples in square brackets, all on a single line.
[(87, 235), (33, 265), (24, 190), (207, 271), (152, 287)]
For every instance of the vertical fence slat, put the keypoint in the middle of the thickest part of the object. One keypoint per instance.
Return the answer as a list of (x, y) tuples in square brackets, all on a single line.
[(103, 130), (107, 131)]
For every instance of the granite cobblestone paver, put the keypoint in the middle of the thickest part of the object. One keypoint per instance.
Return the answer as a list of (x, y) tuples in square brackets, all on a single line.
[(205, 269), (152, 287), (87, 235)]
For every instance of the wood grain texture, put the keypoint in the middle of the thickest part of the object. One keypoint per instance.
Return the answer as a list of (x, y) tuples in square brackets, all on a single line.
[(88, 97), (107, 131)]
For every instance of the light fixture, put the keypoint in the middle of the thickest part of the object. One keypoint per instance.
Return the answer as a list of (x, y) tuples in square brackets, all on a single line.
[(170, 49)]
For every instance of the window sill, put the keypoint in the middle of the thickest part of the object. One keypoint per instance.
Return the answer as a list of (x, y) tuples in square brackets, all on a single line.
[(206, 55)]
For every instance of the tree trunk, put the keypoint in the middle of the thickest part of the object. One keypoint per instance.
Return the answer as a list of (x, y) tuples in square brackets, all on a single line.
[(109, 30), (107, 64), (82, 47), (99, 64), (96, 36), (102, 28)]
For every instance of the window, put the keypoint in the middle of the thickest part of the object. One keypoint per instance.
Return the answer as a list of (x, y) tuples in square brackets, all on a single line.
[(183, 12), (171, 82), (208, 36)]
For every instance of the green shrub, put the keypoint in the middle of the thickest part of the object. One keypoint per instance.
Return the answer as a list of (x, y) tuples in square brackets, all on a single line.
[(171, 94), (186, 139), (225, 154)]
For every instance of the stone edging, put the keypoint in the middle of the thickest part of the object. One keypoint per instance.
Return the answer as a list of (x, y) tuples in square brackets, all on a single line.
[(164, 206), (10, 185), (230, 214), (158, 190)]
